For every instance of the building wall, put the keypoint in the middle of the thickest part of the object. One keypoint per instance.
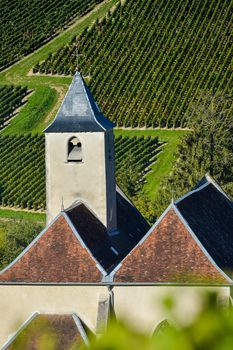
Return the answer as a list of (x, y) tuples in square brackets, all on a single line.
[(142, 306), (139, 306), (17, 303), (78, 181)]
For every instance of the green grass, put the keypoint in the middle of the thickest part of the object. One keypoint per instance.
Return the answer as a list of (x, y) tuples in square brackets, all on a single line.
[(8, 217), (8, 214), (45, 86), (33, 115), (149, 61), (165, 159), (50, 90)]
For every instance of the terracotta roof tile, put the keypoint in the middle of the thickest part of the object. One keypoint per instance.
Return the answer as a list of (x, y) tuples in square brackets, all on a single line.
[(61, 330), (168, 254), (55, 256), (109, 250)]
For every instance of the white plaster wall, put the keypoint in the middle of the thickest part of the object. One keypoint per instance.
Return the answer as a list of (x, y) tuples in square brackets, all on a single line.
[(74, 181), (17, 303), (139, 306), (142, 308)]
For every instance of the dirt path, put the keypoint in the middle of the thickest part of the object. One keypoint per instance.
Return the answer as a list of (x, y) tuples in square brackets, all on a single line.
[(61, 90)]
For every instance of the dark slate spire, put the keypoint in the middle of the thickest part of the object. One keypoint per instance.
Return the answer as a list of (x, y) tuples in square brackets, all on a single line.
[(79, 112)]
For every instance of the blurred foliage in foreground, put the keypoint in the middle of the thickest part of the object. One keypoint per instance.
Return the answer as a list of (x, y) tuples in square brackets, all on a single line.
[(212, 329)]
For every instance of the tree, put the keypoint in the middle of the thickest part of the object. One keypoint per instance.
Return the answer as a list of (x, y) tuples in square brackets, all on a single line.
[(212, 124), (128, 175), (208, 147), (17, 237)]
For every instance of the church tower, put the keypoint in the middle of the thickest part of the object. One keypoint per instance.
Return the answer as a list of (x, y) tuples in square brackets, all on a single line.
[(80, 157)]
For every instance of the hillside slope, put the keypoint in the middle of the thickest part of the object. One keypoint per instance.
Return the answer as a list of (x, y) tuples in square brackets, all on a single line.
[(25, 187), (149, 59), (26, 25)]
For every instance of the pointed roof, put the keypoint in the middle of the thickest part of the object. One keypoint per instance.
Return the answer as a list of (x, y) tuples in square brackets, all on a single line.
[(169, 253), (79, 112), (57, 255), (67, 330), (208, 211), (76, 247), (191, 242)]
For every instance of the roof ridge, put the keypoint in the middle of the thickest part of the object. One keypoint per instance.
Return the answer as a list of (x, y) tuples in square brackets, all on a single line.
[(81, 329), (110, 276), (79, 238), (87, 92), (204, 250), (20, 329), (216, 185), (31, 244), (79, 111), (192, 192)]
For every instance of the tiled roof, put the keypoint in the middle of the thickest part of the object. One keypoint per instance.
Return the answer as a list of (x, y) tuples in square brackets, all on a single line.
[(79, 111), (94, 235), (77, 248), (191, 242), (209, 214), (168, 253), (56, 255), (64, 331), (109, 250)]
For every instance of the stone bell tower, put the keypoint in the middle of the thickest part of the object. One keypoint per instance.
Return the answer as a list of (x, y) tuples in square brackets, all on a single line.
[(80, 157)]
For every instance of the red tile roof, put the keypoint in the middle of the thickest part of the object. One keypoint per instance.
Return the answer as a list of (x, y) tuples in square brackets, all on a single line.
[(60, 330), (169, 254), (181, 247), (55, 256)]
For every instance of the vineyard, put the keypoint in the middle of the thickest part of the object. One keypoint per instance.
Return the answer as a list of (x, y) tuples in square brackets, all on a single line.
[(148, 60), (10, 99), (22, 173), (26, 25)]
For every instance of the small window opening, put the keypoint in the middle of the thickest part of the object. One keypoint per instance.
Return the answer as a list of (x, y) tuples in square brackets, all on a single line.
[(74, 150)]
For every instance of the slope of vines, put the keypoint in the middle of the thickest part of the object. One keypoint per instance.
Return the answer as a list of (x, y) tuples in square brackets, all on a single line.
[(10, 98), (22, 166), (22, 171), (149, 59), (26, 25)]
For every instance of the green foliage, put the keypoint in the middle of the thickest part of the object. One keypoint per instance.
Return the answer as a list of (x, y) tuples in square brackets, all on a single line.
[(211, 121), (22, 174), (134, 156), (8, 214), (148, 60), (22, 171), (17, 236), (10, 99), (145, 206), (211, 329), (165, 158), (34, 113), (25, 26), (209, 148)]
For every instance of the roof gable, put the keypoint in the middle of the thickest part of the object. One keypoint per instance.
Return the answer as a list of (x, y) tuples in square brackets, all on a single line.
[(79, 112), (209, 213), (64, 330), (56, 255), (169, 253), (109, 250)]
